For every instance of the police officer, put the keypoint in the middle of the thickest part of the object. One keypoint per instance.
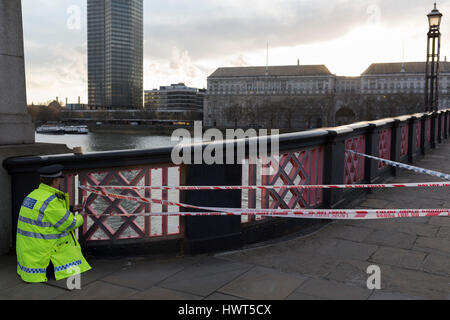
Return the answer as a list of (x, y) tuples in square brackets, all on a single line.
[(45, 231)]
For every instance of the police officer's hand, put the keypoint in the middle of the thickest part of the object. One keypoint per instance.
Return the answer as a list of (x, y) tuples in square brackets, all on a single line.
[(77, 208)]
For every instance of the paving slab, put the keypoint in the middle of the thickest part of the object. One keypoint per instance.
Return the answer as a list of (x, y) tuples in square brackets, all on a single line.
[(331, 247), (437, 264), (306, 263), (383, 295), (31, 291), (145, 274), (332, 290), (351, 272), (157, 293), (261, 283), (391, 238), (205, 277), (9, 277), (98, 290), (433, 245), (414, 283), (413, 226), (440, 221), (344, 249), (302, 296), (100, 269), (376, 203), (399, 257), (222, 296), (346, 232), (444, 232)]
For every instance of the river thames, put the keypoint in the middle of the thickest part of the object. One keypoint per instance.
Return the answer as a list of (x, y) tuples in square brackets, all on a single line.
[(108, 141)]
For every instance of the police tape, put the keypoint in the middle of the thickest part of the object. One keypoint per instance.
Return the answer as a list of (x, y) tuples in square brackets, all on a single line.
[(268, 187), (405, 166), (339, 214), (288, 213)]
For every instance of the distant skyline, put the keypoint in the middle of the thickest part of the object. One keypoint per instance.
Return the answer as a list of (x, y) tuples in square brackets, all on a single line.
[(185, 41)]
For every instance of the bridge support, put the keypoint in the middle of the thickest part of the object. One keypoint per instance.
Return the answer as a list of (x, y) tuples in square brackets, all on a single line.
[(15, 123), (16, 128)]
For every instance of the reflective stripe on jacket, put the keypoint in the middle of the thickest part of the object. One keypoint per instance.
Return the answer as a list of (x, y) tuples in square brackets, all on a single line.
[(45, 233)]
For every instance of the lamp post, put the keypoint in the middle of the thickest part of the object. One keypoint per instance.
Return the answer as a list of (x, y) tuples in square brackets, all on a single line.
[(432, 64)]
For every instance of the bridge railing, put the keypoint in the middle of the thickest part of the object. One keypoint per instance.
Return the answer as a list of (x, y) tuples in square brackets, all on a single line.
[(309, 157)]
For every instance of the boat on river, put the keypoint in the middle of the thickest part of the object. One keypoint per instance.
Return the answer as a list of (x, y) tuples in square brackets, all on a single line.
[(76, 129), (55, 129)]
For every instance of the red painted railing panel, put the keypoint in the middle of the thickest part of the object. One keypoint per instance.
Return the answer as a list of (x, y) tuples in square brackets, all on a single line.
[(404, 141), (436, 128), (100, 225), (384, 146), (303, 167), (296, 168), (354, 164), (418, 133)]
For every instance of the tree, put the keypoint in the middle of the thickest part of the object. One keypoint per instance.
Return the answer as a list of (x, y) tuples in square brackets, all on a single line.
[(43, 113), (269, 112), (234, 113), (287, 111)]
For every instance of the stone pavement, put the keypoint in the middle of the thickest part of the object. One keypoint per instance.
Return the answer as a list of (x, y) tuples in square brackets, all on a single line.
[(413, 256)]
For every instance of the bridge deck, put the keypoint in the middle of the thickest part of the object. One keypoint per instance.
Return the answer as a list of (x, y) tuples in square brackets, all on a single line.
[(413, 255)]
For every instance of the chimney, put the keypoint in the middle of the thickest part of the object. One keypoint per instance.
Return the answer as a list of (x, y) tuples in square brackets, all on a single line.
[(298, 62), (79, 100), (445, 58)]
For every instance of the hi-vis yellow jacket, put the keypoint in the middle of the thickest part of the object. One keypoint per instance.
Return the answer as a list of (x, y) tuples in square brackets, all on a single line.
[(45, 233)]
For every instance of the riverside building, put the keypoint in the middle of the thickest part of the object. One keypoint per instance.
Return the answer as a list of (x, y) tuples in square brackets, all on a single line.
[(309, 96)]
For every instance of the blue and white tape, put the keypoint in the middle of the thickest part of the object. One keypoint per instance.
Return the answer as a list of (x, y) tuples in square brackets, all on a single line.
[(406, 166)]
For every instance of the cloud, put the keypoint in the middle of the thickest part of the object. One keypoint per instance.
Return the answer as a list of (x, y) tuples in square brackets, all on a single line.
[(179, 67), (230, 29), (61, 71), (187, 40)]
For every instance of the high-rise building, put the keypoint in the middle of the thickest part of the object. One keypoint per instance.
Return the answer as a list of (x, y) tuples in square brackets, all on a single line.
[(115, 54)]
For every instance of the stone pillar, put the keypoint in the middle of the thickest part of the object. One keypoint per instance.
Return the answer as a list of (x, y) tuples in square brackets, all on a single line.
[(15, 124), (16, 127)]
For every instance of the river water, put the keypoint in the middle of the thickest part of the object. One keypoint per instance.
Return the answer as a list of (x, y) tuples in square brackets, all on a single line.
[(102, 141)]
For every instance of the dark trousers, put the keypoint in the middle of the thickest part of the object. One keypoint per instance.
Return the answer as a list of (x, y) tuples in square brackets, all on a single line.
[(50, 272)]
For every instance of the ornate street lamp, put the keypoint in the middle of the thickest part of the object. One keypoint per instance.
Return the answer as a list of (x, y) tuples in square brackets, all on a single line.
[(432, 65)]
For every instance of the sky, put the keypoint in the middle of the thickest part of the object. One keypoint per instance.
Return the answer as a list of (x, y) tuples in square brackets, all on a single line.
[(187, 40)]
